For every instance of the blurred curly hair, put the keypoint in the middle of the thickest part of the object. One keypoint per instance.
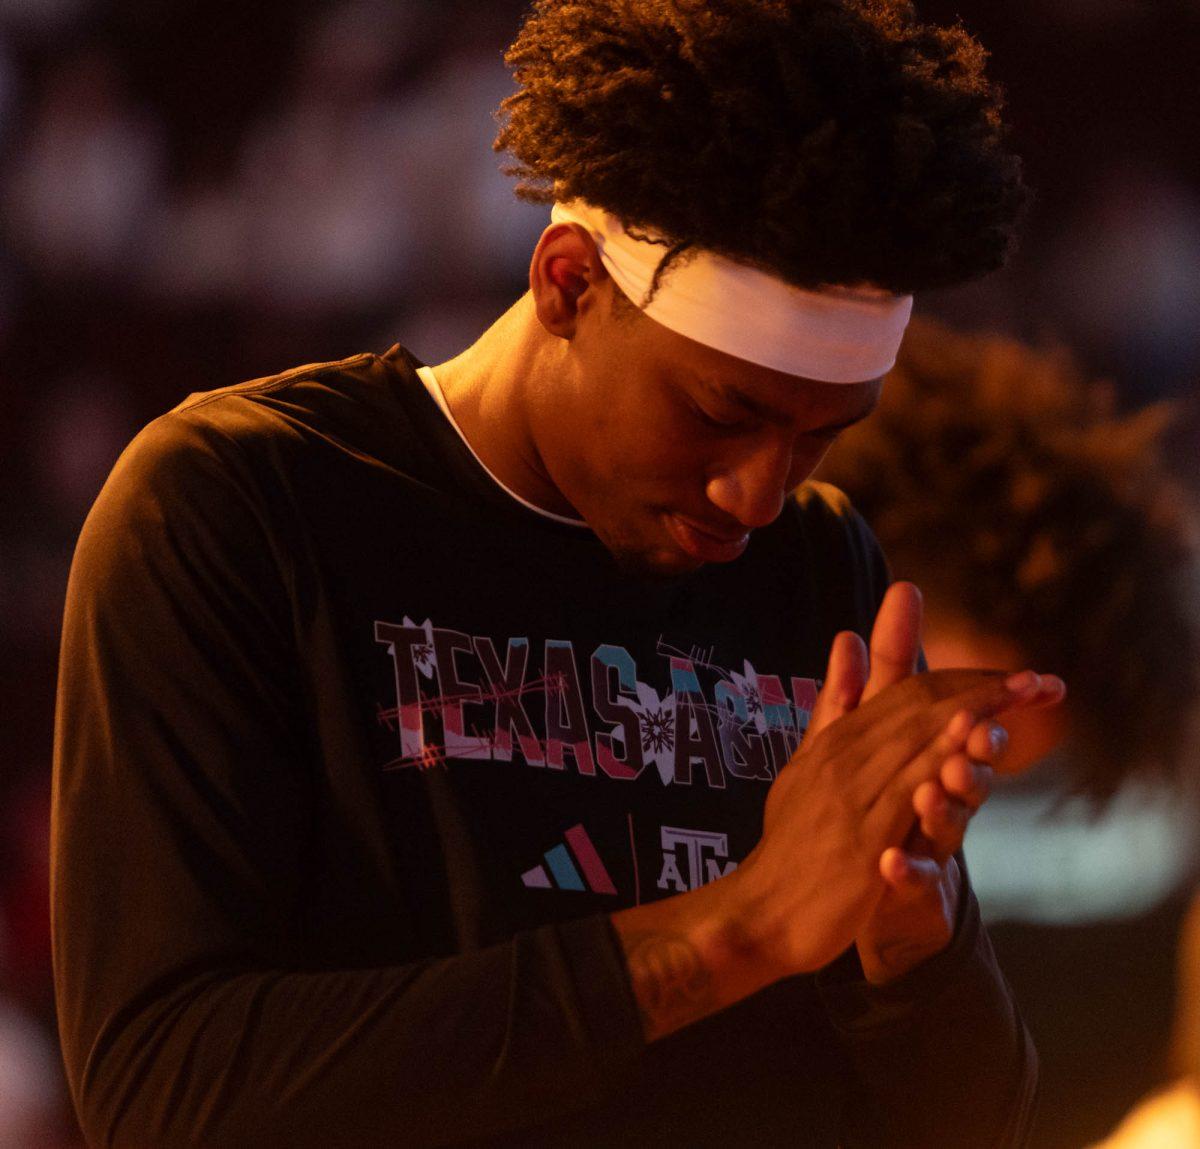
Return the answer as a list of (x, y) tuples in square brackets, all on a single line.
[(821, 141), (1004, 484)]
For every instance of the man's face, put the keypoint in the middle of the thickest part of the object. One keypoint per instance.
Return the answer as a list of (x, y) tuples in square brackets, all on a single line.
[(672, 451)]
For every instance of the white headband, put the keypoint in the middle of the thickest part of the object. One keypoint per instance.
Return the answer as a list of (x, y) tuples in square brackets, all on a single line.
[(833, 335)]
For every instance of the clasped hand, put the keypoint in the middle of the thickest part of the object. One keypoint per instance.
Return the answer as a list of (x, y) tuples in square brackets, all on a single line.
[(861, 827)]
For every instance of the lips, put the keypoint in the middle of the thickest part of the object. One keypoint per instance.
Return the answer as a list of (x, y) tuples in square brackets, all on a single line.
[(705, 545)]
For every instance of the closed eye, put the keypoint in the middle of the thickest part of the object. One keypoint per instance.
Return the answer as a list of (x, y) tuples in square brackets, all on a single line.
[(713, 421), (825, 435)]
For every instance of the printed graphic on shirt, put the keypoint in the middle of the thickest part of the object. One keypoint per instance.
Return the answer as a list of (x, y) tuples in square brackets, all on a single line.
[(692, 858), (459, 696), (578, 868)]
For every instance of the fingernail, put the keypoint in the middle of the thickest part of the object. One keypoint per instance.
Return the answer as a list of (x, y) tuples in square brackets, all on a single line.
[(959, 727), (997, 738), (1027, 682), (1052, 684)]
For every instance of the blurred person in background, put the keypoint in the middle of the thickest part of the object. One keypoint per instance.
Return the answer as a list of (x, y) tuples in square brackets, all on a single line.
[(90, 173), (1170, 1117), (29, 1103), (1041, 525), (33, 1109), (340, 857), (323, 180)]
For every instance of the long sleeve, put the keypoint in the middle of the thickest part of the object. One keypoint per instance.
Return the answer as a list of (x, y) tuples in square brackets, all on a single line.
[(941, 1056), (185, 805)]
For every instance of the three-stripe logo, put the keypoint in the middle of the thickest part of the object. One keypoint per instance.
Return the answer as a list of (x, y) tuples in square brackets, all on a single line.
[(582, 871)]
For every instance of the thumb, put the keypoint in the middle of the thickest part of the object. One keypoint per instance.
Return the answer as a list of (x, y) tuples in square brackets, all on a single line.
[(910, 876), (895, 638), (844, 681)]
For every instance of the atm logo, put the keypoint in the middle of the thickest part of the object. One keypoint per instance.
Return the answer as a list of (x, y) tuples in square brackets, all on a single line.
[(578, 868)]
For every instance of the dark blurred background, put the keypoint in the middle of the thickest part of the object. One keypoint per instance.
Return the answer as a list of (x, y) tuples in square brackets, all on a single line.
[(194, 194)]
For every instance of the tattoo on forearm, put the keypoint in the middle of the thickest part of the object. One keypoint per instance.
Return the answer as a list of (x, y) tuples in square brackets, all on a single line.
[(670, 982)]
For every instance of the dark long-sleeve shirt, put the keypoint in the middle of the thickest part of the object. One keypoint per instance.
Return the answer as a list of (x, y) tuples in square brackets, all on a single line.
[(355, 755)]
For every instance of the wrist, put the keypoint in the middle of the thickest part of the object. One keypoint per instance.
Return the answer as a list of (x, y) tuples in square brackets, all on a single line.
[(693, 954), (906, 932), (890, 961)]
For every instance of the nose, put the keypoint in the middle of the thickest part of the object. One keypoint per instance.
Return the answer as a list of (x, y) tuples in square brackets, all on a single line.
[(752, 488)]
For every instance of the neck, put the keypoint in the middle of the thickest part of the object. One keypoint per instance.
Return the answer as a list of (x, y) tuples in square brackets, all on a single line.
[(495, 388)]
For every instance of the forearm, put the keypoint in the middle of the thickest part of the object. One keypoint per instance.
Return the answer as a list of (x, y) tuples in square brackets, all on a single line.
[(437, 1051), (691, 955)]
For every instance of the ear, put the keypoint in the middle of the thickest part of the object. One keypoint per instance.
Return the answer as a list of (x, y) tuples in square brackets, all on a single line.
[(565, 277)]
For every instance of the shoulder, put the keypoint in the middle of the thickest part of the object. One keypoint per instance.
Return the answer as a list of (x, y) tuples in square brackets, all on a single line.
[(295, 381), (822, 500), (181, 531), (173, 468), (337, 399), (368, 408), (177, 500), (222, 468), (827, 512), (188, 487), (238, 438), (843, 556)]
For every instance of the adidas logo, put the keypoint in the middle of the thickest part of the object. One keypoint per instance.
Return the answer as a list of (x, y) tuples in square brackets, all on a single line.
[(563, 872)]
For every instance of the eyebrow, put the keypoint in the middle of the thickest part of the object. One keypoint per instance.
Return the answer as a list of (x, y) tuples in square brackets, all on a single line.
[(778, 418)]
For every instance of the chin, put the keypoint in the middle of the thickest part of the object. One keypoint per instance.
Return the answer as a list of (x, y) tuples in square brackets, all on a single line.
[(656, 565), (645, 556)]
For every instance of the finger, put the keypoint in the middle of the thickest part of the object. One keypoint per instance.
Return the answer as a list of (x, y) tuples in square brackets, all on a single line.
[(844, 679), (1026, 752), (898, 728), (987, 741), (1053, 691), (895, 638), (1050, 690), (889, 817), (966, 780), (910, 876), (942, 821), (892, 812), (918, 707)]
